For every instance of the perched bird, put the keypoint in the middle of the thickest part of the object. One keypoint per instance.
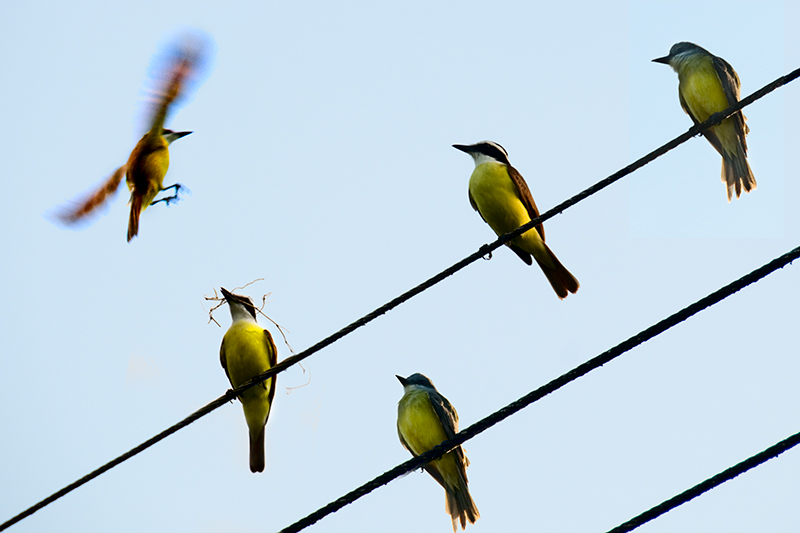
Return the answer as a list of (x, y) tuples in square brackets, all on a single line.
[(148, 163), (424, 419), (707, 84), (498, 192), (248, 350)]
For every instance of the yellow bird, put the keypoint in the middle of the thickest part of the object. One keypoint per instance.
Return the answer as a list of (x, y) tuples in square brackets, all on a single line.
[(707, 84), (148, 163), (498, 192), (248, 350), (424, 419)]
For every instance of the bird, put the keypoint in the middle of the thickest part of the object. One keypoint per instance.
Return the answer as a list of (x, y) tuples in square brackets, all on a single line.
[(708, 84), (248, 350), (148, 163), (425, 419), (498, 192)]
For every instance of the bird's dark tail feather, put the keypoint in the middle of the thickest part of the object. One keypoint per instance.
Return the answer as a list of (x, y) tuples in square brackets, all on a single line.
[(562, 281), (460, 506), (257, 461), (133, 221), (736, 174)]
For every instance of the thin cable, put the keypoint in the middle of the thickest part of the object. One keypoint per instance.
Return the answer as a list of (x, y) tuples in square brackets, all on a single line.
[(710, 483), (483, 251), (581, 370), (222, 400), (486, 249)]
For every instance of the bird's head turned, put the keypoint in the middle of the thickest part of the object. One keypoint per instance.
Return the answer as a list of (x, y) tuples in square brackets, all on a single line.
[(242, 307), (418, 380), (680, 53)]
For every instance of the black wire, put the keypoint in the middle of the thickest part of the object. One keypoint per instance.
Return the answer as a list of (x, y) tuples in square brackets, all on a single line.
[(579, 371), (483, 251), (222, 400), (713, 120), (710, 483)]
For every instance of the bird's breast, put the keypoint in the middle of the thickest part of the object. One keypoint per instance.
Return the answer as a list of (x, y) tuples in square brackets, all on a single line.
[(702, 91), (418, 423), (497, 197), (246, 352)]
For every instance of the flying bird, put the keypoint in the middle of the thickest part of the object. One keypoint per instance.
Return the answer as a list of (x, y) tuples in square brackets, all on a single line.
[(148, 163)]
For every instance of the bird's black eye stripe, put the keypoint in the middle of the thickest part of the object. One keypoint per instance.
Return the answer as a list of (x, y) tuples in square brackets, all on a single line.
[(495, 151)]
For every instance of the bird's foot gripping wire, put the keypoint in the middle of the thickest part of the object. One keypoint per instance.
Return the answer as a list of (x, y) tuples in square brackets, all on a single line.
[(174, 198)]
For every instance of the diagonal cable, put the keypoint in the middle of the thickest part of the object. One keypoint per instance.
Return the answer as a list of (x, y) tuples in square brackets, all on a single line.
[(516, 406), (483, 251), (712, 482)]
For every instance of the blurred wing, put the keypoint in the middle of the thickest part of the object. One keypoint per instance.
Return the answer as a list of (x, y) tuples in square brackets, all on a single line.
[(181, 68), (94, 201)]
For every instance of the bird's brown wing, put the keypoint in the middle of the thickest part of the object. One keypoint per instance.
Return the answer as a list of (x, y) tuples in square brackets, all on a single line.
[(223, 360), (449, 418), (474, 205), (273, 360), (95, 200), (732, 88), (180, 69), (525, 196)]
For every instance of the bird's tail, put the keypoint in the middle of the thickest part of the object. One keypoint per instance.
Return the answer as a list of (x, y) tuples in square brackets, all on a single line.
[(562, 281), (133, 221), (257, 461), (460, 506), (736, 173)]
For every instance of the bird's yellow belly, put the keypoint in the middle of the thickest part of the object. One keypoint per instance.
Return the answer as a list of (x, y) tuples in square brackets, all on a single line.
[(419, 424), (702, 91), (422, 430), (247, 356), (499, 204)]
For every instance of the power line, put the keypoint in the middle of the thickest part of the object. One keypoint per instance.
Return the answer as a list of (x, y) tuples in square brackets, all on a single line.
[(483, 251), (710, 483), (579, 371), (486, 249)]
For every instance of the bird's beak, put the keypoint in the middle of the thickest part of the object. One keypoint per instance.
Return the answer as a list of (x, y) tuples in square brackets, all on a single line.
[(403, 381), (226, 294), (175, 135), (463, 147), (664, 60)]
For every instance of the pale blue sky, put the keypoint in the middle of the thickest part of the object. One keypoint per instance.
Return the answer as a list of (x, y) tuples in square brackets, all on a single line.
[(321, 160)]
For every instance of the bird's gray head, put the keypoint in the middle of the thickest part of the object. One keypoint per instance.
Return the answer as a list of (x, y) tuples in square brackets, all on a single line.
[(239, 303), (416, 379), (484, 150), (680, 52), (171, 136)]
